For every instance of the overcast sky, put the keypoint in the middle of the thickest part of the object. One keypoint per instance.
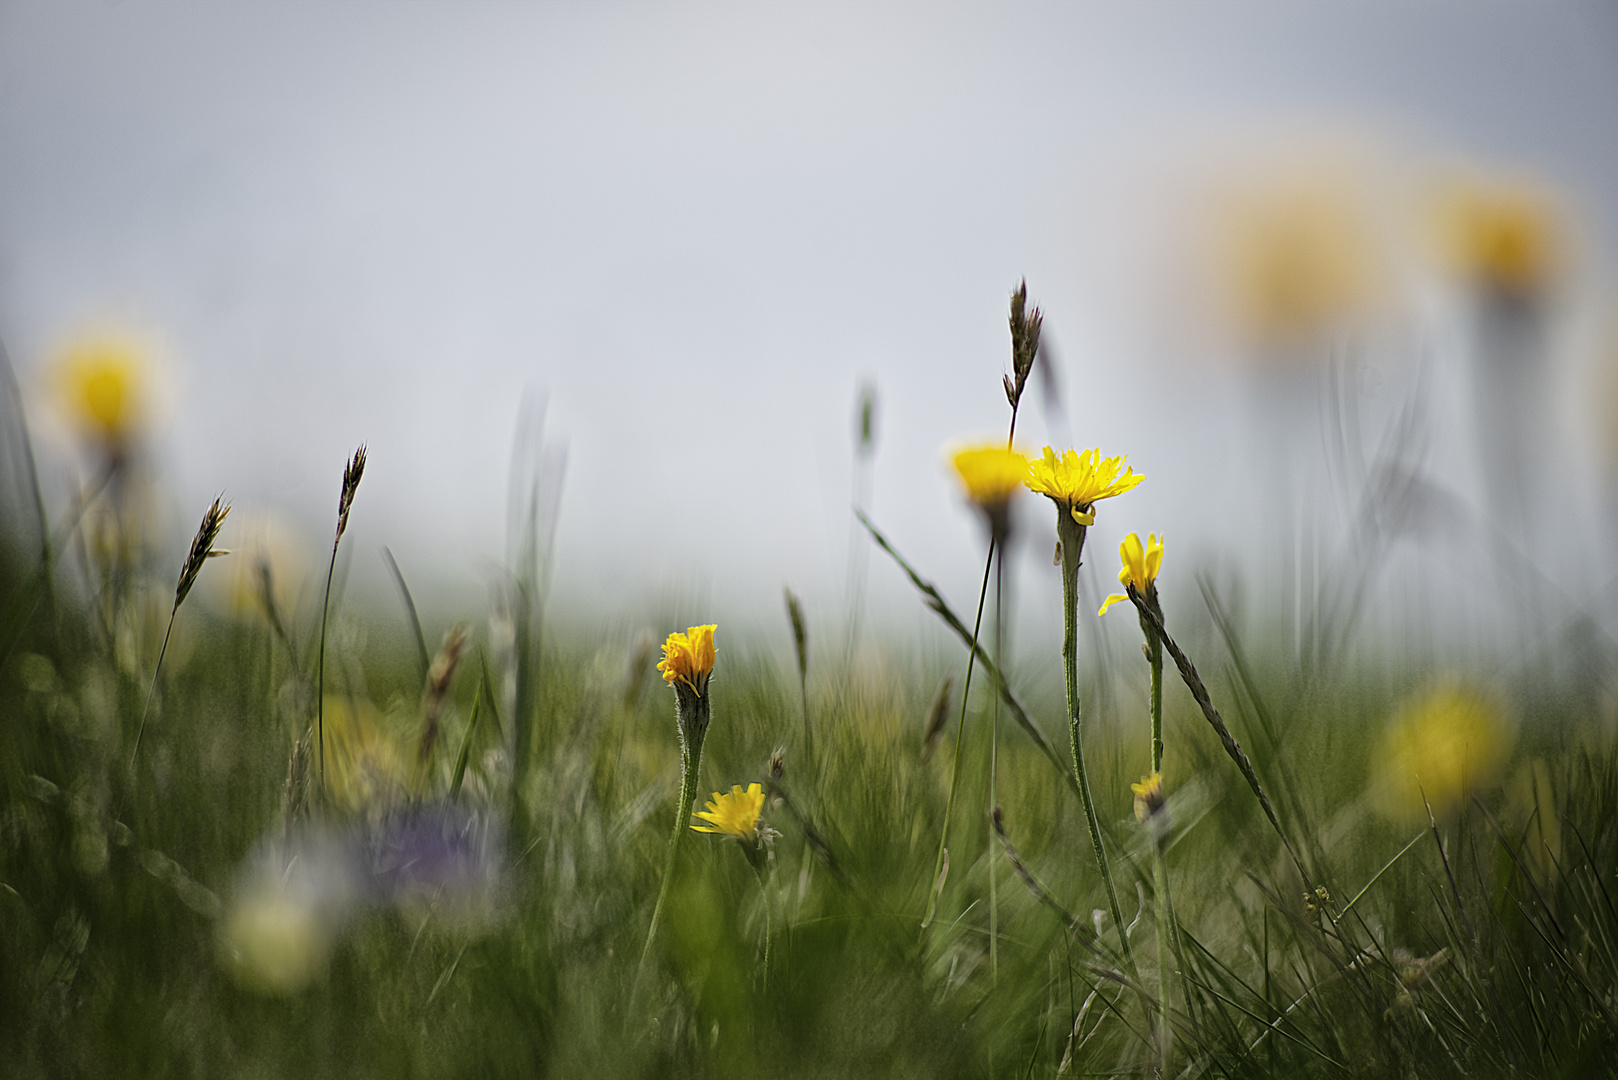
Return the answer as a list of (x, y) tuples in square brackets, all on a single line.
[(694, 231)]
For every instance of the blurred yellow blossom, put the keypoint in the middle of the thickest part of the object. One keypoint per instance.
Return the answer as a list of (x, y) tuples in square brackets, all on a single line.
[(1505, 236), (276, 942), (263, 543), (1295, 255), (736, 813), (1148, 796), (104, 386), (1442, 744), (1140, 566), (991, 473), (689, 657), (1074, 481)]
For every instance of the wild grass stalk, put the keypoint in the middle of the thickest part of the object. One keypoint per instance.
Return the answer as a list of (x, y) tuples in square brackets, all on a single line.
[(800, 647), (202, 550), (352, 472)]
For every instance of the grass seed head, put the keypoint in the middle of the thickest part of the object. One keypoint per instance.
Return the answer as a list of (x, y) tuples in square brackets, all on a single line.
[(800, 634), (1025, 326), (202, 549), (351, 483)]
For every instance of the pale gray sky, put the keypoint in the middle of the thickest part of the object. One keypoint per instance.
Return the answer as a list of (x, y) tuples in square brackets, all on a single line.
[(696, 229)]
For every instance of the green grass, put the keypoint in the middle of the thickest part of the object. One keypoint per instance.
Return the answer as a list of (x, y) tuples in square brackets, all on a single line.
[(114, 885)]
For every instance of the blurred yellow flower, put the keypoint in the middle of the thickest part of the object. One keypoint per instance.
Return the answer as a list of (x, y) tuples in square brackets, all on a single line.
[(990, 473), (1295, 255), (1075, 481), (1503, 236), (1140, 566), (275, 942), (104, 387), (262, 541), (736, 813), (368, 767), (689, 657), (1442, 744), (1148, 796)]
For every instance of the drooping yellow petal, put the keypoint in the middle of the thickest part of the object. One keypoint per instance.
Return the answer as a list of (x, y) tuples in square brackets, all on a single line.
[(1140, 565)]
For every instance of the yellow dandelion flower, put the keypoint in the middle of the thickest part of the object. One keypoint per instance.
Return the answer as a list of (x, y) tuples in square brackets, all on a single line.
[(689, 657), (1140, 566), (1295, 255), (736, 813), (1074, 481), (1442, 744), (1506, 237), (1148, 796), (990, 473), (103, 384)]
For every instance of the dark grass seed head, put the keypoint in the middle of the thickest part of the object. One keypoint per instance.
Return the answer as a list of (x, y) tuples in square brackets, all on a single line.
[(351, 483), (202, 549)]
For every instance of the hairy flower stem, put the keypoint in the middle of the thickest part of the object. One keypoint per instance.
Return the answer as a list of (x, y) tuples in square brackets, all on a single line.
[(691, 710), (1154, 657), (1071, 535)]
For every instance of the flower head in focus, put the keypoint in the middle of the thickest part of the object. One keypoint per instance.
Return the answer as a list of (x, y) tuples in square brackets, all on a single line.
[(736, 814), (1140, 568), (689, 657), (1075, 481)]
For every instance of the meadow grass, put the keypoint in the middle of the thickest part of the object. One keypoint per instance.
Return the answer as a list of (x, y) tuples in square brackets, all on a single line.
[(1484, 946), (1314, 929)]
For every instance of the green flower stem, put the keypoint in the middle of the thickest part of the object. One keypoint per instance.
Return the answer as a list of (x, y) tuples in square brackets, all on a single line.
[(1154, 657), (1071, 535), (1160, 886), (692, 713)]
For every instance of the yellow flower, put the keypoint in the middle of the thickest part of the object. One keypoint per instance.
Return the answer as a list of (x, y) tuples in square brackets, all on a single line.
[(1503, 236), (1140, 566), (1296, 254), (1148, 796), (1441, 745), (689, 657), (1075, 481), (736, 813), (990, 473), (103, 385)]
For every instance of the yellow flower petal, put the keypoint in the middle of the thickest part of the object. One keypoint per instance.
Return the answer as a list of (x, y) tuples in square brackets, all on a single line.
[(735, 814), (1075, 480), (1111, 600), (990, 473), (689, 657)]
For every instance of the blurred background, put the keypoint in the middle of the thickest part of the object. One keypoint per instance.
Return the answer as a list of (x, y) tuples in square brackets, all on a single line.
[(1338, 278)]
